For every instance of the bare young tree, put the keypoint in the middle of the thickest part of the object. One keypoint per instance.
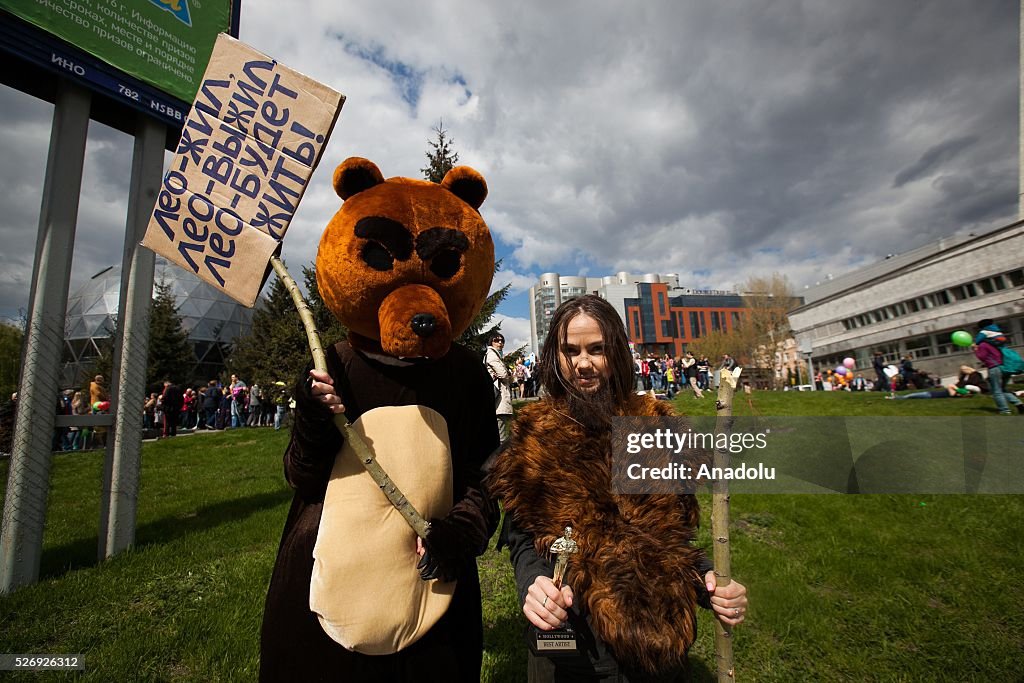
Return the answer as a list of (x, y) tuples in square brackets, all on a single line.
[(765, 324)]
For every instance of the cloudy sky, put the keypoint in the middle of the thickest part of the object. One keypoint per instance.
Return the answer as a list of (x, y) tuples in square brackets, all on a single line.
[(713, 140)]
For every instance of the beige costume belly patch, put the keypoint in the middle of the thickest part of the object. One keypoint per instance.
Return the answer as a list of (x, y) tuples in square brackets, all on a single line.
[(365, 587)]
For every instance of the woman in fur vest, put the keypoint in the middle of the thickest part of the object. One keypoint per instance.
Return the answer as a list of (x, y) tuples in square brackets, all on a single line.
[(632, 589)]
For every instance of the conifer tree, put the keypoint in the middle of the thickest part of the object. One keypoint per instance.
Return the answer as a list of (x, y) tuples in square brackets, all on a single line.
[(330, 328), (478, 335), (170, 353), (11, 338), (275, 348), (441, 158)]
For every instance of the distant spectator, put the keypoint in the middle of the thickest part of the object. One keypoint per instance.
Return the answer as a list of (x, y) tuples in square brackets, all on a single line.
[(281, 405), (952, 391), (62, 435), (972, 380), (173, 400), (878, 363), (502, 379), (74, 432), (79, 406), (237, 398), (987, 348), (519, 379), (703, 372), (149, 412), (98, 390), (189, 414), (907, 372), (253, 409), (211, 403), (690, 368)]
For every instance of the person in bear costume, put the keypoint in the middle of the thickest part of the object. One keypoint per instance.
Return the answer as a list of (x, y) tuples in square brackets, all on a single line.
[(355, 595)]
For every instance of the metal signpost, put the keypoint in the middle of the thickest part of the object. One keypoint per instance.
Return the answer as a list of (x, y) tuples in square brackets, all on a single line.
[(134, 68)]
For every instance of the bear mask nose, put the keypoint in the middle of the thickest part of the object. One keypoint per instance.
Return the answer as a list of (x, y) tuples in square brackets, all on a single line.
[(423, 324)]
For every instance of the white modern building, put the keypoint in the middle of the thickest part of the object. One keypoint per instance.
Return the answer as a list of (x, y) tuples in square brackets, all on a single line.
[(911, 303), (552, 289)]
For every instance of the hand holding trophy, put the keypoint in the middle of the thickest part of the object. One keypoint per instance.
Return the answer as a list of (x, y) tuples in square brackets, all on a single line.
[(563, 639)]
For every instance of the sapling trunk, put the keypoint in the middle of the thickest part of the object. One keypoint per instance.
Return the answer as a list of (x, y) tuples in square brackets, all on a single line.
[(720, 523), (365, 455)]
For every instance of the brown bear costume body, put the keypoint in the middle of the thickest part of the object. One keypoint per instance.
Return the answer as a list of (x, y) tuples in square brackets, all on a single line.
[(405, 265)]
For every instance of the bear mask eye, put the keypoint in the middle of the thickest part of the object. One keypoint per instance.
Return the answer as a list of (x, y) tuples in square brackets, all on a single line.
[(446, 264), (377, 257), (443, 248), (387, 240)]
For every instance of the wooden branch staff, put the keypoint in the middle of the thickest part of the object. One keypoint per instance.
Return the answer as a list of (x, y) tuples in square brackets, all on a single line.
[(720, 522), (366, 457)]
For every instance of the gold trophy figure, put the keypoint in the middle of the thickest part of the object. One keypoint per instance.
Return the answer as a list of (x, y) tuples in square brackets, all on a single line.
[(561, 640), (563, 548)]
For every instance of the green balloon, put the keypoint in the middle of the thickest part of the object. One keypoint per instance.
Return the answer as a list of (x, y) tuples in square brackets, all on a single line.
[(961, 338)]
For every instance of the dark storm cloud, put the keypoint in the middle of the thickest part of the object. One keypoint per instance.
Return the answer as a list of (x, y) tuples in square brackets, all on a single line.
[(934, 157), (688, 136)]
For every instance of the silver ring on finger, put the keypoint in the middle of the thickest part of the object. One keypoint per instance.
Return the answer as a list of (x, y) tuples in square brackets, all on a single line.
[(736, 611), (545, 603)]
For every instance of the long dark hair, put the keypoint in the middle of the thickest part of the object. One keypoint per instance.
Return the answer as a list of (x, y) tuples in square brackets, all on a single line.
[(616, 348)]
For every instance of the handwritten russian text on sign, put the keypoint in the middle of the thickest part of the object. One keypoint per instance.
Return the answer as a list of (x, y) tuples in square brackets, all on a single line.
[(247, 150)]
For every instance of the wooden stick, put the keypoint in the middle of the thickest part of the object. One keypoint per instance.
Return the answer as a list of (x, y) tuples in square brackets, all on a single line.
[(720, 523), (363, 452)]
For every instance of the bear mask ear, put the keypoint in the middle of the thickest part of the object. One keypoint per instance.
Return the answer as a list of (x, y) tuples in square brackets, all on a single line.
[(466, 184), (354, 175)]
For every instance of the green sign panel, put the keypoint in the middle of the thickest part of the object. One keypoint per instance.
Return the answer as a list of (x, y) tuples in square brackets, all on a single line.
[(163, 43)]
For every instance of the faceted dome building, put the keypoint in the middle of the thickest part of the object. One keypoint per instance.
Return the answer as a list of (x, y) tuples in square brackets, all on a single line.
[(212, 319)]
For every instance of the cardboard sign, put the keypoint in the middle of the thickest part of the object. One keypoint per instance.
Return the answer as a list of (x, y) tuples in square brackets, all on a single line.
[(247, 150)]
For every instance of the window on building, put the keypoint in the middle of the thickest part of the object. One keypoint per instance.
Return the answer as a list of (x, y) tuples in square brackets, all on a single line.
[(695, 330), (944, 344), (986, 285), (920, 347), (735, 320), (715, 327), (962, 292), (1016, 277)]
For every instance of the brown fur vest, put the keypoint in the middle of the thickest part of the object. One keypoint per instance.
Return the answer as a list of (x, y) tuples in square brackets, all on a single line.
[(636, 572)]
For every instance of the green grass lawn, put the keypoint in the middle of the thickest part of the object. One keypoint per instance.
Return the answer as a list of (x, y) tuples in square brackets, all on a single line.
[(843, 588)]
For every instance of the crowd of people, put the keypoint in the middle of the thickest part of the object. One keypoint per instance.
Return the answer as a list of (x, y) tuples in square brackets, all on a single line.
[(671, 375), (218, 405), (80, 402)]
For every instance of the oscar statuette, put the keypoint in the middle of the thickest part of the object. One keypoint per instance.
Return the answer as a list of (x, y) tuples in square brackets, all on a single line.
[(560, 640)]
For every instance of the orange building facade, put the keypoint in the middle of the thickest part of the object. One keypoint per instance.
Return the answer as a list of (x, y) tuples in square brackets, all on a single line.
[(659, 323)]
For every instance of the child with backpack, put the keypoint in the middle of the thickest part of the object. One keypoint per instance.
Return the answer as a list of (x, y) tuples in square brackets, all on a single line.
[(991, 346)]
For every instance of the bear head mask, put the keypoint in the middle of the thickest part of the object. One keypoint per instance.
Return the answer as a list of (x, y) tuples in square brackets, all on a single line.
[(405, 263)]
